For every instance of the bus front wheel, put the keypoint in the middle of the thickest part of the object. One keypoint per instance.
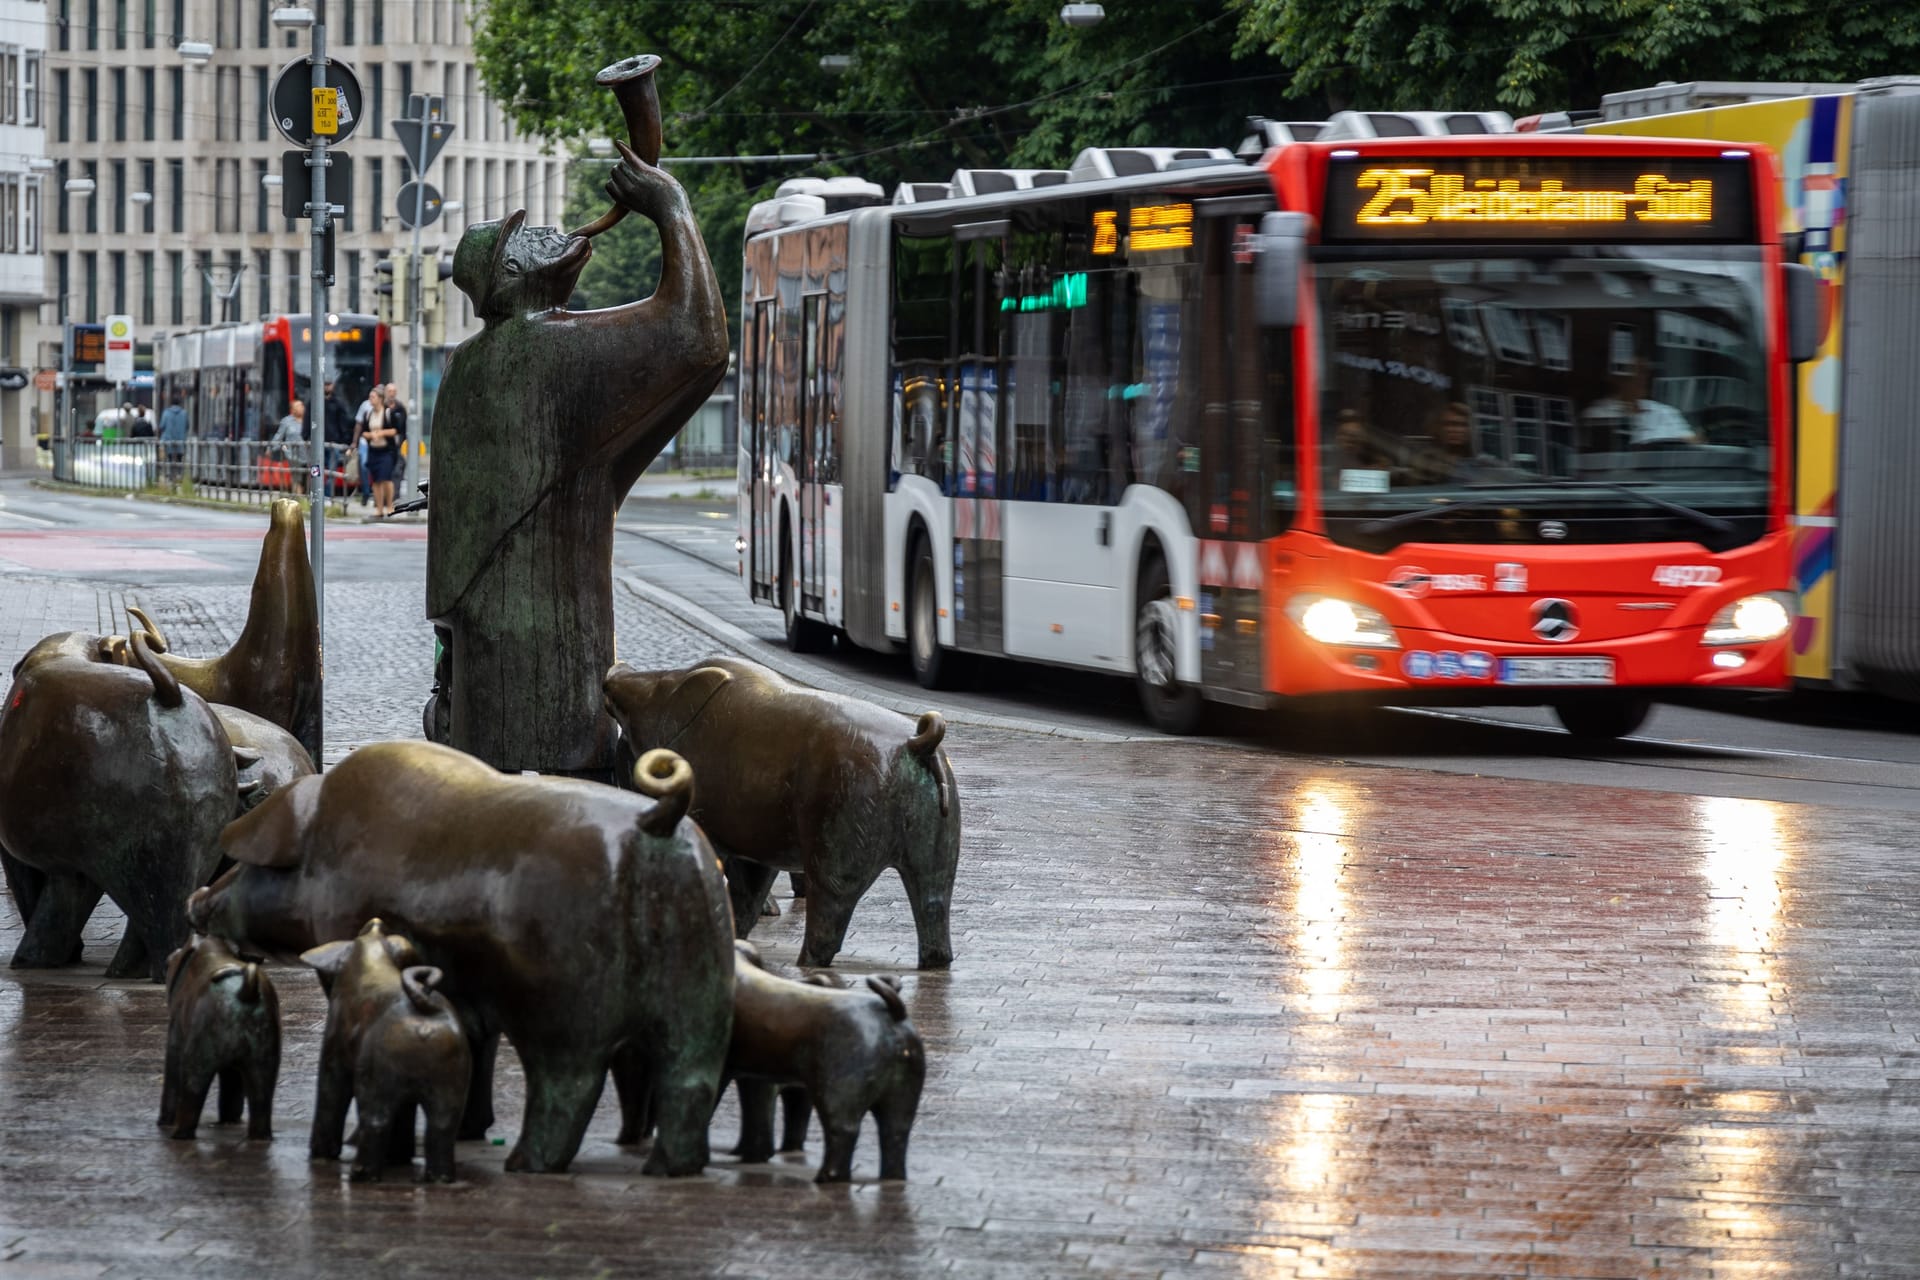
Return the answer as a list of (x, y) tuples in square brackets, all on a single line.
[(1615, 716), (1171, 707), (933, 666)]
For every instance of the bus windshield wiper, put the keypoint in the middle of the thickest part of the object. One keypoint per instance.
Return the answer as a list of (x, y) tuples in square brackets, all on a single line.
[(1702, 518), (1504, 493)]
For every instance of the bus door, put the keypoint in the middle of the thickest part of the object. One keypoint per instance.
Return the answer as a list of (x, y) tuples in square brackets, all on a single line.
[(762, 535), (810, 554), (978, 578), (1230, 507)]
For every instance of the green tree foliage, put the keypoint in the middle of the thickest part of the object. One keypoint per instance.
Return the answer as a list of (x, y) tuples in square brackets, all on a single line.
[(935, 85), (1543, 55)]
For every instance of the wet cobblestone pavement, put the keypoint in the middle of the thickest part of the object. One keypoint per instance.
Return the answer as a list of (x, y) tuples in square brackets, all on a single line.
[(1212, 1012)]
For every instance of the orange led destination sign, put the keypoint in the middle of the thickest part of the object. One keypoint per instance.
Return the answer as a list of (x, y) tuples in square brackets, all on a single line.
[(1414, 197), (1601, 198), (1149, 227)]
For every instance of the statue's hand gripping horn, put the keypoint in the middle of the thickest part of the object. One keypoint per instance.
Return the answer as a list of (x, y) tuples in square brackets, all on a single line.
[(631, 80)]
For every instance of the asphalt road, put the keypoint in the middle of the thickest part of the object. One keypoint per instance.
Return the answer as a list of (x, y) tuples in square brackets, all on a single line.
[(1843, 751)]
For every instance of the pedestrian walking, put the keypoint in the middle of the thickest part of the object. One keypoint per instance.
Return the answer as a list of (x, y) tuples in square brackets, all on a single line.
[(397, 419), (339, 434), (360, 443), (382, 452), (173, 435)]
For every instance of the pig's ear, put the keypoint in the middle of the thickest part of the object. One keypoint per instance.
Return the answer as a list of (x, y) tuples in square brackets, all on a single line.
[(401, 950), (269, 835), (329, 957), (689, 698)]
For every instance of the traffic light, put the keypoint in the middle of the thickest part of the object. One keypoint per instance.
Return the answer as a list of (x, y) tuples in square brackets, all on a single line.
[(390, 288), (434, 267)]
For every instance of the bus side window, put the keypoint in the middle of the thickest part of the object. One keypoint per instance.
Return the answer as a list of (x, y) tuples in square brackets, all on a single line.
[(923, 270)]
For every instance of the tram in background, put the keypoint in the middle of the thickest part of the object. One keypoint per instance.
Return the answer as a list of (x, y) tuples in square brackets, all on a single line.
[(1393, 414), (237, 380), (1850, 155)]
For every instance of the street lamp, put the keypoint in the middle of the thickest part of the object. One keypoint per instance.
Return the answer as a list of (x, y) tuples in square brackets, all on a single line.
[(80, 186), (293, 17), (836, 64), (452, 206), (600, 146), (141, 197), (1082, 15), (270, 180), (197, 52), (42, 164)]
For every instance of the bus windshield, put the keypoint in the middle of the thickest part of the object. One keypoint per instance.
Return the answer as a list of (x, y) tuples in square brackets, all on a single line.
[(1578, 395)]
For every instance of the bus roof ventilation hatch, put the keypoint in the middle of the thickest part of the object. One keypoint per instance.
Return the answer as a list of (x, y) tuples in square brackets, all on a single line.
[(1096, 163), (1348, 125), (1696, 95), (921, 192), (1263, 134), (985, 182), (839, 194)]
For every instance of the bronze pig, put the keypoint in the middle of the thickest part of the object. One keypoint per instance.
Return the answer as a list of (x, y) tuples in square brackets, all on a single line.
[(112, 778), (798, 780), (392, 1044), (580, 920), (855, 1056), (223, 1023)]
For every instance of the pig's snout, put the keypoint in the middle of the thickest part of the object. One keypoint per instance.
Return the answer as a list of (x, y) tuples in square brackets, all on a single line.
[(200, 908)]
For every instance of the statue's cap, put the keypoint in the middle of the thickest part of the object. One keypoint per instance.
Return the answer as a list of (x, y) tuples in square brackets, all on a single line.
[(476, 263)]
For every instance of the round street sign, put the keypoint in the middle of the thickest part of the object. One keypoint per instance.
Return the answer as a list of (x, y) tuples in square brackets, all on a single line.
[(429, 203), (304, 115)]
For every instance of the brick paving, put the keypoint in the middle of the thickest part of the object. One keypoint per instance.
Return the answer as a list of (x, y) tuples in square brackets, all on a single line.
[(1212, 1012)]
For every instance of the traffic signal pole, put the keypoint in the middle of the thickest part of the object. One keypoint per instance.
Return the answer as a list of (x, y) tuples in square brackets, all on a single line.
[(416, 416), (316, 384)]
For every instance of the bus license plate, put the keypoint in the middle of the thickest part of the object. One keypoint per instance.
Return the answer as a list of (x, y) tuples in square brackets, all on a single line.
[(1556, 671)]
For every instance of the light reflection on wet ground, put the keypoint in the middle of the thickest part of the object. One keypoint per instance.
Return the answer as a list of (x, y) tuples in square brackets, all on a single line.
[(1210, 1011)]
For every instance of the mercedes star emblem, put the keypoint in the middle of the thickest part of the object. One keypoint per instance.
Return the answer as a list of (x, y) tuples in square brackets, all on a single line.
[(1553, 621)]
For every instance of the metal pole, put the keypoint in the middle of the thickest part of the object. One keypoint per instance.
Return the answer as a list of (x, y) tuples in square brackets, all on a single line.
[(416, 289), (63, 405), (316, 382)]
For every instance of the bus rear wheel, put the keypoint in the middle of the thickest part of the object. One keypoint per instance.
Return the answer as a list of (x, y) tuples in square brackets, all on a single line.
[(1171, 707), (804, 635), (933, 666), (1611, 717)]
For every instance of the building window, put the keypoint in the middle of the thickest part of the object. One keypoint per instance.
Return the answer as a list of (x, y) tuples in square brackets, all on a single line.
[(179, 32), (62, 113), (219, 104), (9, 85), (30, 217), (60, 196), (206, 292), (346, 24), (293, 280), (153, 22), (120, 31), (378, 105), (93, 201), (146, 185), (119, 197), (9, 213), (177, 286), (263, 94), (265, 35), (377, 172), (146, 287), (117, 277), (93, 24), (379, 21), (353, 280), (233, 283), (90, 85), (263, 268), (265, 198), (177, 184), (179, 78), (63, 277), (220, 198), (62, 23), (30, 91), (119, 104), (406, 87), (146, 103), (90, 274)]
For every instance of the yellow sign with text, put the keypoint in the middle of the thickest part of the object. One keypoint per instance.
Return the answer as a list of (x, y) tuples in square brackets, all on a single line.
[(1417, 196), (326, 112)]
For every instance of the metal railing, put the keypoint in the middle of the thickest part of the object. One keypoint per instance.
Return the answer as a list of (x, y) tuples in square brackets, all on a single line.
[(229, 470)]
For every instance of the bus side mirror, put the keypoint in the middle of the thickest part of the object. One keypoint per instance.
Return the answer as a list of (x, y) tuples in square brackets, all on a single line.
[(1280, 254), (1805, 325)]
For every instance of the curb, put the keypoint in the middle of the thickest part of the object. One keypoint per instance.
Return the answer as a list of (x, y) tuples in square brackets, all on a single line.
[(814, 677), (345, 512)]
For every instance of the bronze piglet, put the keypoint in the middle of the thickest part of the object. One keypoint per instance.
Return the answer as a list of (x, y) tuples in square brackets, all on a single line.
[(798, 780), (223, 1022), (392, 1044), (855, 1055)]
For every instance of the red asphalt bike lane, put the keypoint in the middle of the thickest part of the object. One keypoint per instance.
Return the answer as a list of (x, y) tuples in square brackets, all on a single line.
[(80, 551)]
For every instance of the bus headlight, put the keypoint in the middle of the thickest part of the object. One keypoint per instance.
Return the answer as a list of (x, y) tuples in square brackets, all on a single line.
[(1334, 621), (1751, 620)]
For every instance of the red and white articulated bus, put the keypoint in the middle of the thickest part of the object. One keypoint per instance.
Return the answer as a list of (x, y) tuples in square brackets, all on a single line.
[(1420, 410)]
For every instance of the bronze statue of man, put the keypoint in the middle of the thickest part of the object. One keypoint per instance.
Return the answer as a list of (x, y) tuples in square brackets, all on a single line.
[(546, 418)]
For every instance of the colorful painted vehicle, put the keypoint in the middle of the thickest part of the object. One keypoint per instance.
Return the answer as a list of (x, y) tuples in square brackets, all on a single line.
[(1850, 156), (1419, 410)]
